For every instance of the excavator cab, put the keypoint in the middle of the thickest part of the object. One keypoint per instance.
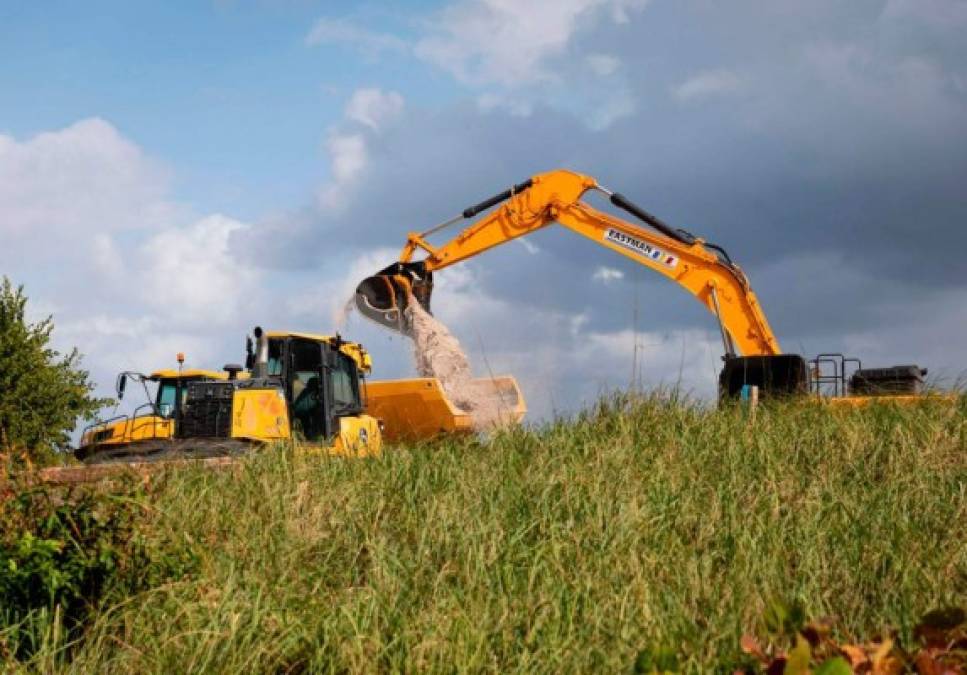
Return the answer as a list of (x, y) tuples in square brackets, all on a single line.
[(776, 376), (385, 297)]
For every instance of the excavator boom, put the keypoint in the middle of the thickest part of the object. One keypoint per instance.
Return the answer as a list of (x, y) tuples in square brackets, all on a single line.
[(704, 270)]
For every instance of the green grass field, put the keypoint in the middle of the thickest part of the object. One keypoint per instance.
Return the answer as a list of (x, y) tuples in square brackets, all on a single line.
[(575, 547)]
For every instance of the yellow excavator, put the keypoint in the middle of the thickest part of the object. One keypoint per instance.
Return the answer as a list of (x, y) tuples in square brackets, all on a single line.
[(752, 354)]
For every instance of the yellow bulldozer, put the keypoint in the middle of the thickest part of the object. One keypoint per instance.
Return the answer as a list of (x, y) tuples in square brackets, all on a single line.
[(151, 424)]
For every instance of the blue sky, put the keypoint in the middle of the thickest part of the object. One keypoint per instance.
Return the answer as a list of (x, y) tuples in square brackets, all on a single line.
[(229, 93), (171, 175)]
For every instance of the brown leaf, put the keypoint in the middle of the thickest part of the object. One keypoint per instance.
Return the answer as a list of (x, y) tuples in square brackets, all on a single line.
[(889, 665), (855, 655), (816, 631), (879, 655), (750, 645), (777, 667), (925, 664)]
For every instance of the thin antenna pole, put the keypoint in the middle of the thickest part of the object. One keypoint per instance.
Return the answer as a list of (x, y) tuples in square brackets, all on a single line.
[(635, 376)]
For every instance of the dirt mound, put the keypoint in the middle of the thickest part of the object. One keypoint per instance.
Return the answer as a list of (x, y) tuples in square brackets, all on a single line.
[(438, 354)]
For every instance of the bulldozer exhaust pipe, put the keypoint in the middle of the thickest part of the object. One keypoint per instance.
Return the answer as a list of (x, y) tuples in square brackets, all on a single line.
[(261, 367)]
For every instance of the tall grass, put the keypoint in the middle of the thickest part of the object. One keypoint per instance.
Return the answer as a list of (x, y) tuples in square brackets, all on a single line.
[(571, 547)]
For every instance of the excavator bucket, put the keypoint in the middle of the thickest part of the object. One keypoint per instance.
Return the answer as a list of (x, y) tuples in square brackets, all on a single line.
[(386, 296)]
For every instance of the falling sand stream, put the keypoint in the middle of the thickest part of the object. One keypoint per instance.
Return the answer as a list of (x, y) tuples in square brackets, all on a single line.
[(438, 354)]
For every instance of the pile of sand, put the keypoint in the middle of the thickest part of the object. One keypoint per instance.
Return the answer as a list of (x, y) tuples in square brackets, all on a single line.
[(438, 354)]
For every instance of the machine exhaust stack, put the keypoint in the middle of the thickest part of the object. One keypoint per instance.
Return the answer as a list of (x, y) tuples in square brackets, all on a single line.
[(261, 365)]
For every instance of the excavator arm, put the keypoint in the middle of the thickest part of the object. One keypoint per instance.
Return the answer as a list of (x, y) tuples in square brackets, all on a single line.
[(704, 270)]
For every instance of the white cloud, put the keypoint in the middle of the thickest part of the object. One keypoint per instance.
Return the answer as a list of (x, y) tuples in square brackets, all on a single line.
[(344, 32), (687, 359), (509, 103), (611, 108), (509, 43), (621, 9), (59, 183), (603, 65), (348, 155), (348, 148), (189, 273), (708, 83), (347, 159), (516, 56), (327, 299), (909, 92), (607, 274), (87, 224), (374, 107)]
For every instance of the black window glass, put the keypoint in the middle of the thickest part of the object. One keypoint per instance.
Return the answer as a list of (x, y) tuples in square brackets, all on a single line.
[(345, 385), (275, 357)]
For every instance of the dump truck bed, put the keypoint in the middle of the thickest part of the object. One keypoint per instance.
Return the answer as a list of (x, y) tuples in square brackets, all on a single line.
[(418, 409)]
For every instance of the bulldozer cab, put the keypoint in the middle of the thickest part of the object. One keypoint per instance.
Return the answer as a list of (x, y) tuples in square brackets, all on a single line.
[(322, 384), (299, 386)]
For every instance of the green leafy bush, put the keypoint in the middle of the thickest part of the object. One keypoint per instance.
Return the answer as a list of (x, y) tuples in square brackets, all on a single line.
[(68, 552), (42, 394)]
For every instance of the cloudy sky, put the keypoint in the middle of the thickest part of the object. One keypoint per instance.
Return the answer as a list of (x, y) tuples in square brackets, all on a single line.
[(172, 176)]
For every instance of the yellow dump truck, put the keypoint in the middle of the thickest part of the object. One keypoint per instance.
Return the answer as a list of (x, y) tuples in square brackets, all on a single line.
[(419, 409)]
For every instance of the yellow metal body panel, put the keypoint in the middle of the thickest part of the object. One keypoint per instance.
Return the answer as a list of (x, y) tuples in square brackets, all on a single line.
[(191, 374), (129, 430), (895, 399), (358, 436), (556, 197), (260, 415), (145, 427), (418, 409)]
